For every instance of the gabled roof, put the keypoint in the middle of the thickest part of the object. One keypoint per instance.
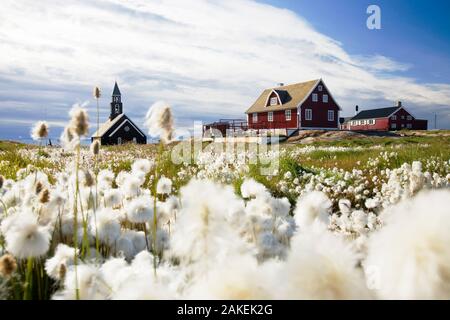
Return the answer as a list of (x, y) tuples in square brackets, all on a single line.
[(290, 95), (375, 113), (107, 125), (116, 91)]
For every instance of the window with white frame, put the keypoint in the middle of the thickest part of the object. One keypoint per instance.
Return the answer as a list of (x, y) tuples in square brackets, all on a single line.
[(403, 117), (270, 116), (273, 101), (319, 88), (393, 125), (409, 126), (134, 140), (330, 115), (119, 140), (372, 121), (314, 97), (308, 114), (287, 113), (255, 117), (408, 118), (325, 98), (353, 123), (394, 117), (363, 122)]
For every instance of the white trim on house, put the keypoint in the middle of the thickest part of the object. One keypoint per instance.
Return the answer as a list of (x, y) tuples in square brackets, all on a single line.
[(330, 95), (286, 115), (316, 96), (323, 98), (120, 126), (306, 114), (270, 116), (398, 109), (268, 96), (254, 117), (330, 112)]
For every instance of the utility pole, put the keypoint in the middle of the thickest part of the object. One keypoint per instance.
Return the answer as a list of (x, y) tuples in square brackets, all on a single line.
[(435, 120)]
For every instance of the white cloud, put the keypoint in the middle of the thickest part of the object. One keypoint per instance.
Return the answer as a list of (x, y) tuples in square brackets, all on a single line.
[(206, 58)]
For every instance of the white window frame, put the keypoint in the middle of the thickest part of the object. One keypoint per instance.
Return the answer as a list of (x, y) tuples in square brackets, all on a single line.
[(308, 114), (319, 88), (134, 140), (363, 122), (394, 117), (409, 118), (403, 117), (273, 101), (288, 115), (331, 113), (409, 125), (270, 116), (119, 140), (315, 97), (393, 126), (325, 98), (372, 121), (255, 117)]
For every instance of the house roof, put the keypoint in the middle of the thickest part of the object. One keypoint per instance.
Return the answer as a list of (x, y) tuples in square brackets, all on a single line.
[(375, 113), (116, 91), (290, 95), (107, 125), (343, 120)]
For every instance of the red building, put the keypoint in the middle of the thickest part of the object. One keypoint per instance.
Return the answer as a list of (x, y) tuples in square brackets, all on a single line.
[(305, 105), (386, 119)]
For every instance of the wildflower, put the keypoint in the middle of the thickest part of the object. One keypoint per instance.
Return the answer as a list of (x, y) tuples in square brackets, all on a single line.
[(159, 121), (26, 238), (108, 226), (8, 265), (164, 186), (140, 210), (97, 93), (56, 266), (312, 207), (345, 206), (142, 165), (40, 130), (79, 123), (44, 196), (410, 253), (250, 188), (320, 266), (95, 147)]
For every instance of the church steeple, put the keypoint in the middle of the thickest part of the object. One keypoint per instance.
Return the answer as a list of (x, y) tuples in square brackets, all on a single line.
[(116, 102)]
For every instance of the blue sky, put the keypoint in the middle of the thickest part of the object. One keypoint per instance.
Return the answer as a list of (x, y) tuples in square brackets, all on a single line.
[(413, 32), (211, 59)]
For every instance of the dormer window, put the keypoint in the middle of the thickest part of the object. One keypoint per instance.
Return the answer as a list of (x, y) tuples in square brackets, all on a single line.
[(273, 101), (314, 97)]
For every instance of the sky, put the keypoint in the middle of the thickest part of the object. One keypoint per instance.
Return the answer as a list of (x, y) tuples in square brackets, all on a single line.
[(212, 59)]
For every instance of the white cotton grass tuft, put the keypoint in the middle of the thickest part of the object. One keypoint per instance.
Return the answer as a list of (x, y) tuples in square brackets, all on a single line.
[(164, 185), (159, 121), (250, 188), (409, 257), (61, 260), (39, 131), (142, 165), (314, 207), (108, 226), (321, 266), (79, 122), (235, 278), (25, 238), (140, 210)]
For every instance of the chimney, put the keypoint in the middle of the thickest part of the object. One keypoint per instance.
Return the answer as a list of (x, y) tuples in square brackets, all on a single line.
[(280, 84), (399, 104), (356, 110)]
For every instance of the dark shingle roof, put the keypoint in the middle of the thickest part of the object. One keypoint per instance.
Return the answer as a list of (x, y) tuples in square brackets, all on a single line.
[(116, 91), (375, 113)]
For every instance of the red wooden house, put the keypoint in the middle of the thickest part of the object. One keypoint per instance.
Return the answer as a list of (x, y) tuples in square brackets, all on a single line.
[(305, 105), (385, 119)]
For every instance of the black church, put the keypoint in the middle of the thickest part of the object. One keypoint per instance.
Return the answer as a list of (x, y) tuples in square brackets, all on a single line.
[(119, 128)]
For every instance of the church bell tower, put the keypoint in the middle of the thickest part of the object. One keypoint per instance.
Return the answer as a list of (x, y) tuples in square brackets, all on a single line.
[(116, 102)]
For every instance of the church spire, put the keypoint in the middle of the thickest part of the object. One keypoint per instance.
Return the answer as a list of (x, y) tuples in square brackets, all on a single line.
[(116, 102), (116, 91)]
